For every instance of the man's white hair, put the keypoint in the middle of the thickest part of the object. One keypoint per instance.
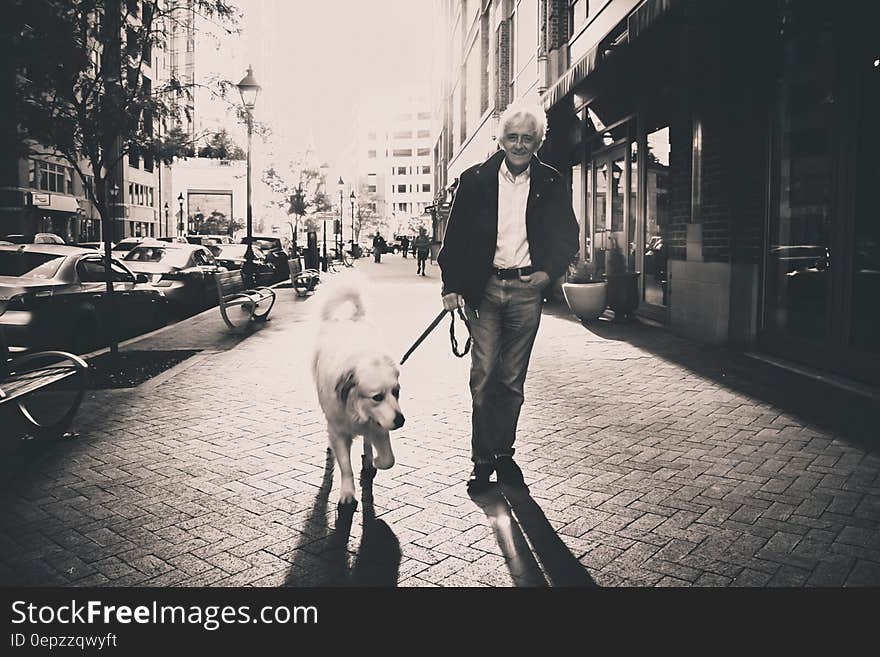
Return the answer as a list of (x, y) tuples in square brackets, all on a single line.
[(523, 108)]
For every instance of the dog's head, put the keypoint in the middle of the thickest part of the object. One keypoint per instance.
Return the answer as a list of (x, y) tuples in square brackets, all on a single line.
[(371, 392)]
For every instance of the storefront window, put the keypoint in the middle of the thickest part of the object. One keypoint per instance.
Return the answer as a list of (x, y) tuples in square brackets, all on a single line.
[(799, 258), (656, 216)]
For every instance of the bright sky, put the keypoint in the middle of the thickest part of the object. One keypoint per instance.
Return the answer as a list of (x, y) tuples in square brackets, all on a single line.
[(314, 60)]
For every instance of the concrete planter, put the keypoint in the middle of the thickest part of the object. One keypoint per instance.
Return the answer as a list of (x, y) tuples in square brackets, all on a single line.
[(586, 300)]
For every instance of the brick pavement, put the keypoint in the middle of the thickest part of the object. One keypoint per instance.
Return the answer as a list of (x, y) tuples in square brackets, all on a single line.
[(652, 461)]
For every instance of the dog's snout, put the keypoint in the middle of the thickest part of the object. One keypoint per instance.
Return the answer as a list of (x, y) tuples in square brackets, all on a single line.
[(399, 420)]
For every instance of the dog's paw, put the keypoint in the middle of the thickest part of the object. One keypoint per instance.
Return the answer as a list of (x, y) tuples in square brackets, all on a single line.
[(383, 462), (346, 495)]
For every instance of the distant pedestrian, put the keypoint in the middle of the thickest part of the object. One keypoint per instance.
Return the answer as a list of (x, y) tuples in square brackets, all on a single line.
[(499, 252), (404, 245), (378, 247), (422, 247)]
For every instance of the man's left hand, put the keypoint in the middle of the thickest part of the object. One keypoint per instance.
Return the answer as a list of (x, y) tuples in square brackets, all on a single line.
[(536, 279)]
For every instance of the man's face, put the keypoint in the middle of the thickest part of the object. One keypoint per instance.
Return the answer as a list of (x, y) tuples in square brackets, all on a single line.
[(520, 142)]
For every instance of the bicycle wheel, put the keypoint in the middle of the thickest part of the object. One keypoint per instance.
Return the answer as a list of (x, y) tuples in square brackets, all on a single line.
[(56, 383)]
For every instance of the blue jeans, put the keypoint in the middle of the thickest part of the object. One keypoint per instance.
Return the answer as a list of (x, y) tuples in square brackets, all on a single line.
[(503, 329)]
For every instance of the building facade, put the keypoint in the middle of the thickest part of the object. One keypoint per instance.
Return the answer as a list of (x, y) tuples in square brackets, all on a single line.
[(395, 176), (724, 148)]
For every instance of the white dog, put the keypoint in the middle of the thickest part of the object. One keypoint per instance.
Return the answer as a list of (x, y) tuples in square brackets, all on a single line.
[(357, 384)]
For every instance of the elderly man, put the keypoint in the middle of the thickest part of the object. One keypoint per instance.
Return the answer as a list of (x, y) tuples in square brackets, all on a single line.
[(511, 231)]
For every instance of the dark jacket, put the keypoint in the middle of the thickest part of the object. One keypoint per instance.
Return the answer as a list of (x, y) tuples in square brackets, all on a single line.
[(472, 231)]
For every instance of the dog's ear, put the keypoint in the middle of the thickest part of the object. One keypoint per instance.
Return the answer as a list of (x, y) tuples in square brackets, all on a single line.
[(344, 385)]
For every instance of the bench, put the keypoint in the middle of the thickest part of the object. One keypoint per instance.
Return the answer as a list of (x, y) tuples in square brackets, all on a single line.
[(21, 377), (306, 281), (233, 297)]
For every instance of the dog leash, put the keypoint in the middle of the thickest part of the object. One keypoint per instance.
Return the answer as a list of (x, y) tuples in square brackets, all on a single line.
[(452, 339)]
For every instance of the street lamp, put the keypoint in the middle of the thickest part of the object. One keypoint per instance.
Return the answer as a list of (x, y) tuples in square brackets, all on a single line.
[(249, 90), (167, 225), (108, 245), (341, 186), (352, 197), (180, 221)]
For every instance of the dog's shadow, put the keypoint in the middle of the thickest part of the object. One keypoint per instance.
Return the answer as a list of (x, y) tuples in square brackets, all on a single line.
[(322, 557), (514, 515)]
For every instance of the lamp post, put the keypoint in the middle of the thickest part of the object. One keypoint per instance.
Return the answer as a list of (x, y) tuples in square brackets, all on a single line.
[(341, 186), (352, 198), (108, 245), (167, 225), (180, 220), (249, 90)]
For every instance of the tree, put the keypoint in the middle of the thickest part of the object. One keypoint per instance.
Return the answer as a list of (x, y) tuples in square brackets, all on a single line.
[(307, 196), (221, 147), (80, 92)]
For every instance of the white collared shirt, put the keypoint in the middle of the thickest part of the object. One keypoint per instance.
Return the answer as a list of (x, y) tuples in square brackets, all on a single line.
[(512, 245)]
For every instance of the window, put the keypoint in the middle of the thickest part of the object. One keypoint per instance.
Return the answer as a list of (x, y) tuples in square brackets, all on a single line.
[(424, 151), (371, 188), (371, 136), (424, 115), (426, 187), (426, 169), (401, 207), (371, 154), (401, 189), (578, 12), (403, 134), (525, 33), (424, 133), (402, 152), (131, 193), (401, 171), (50, 177)]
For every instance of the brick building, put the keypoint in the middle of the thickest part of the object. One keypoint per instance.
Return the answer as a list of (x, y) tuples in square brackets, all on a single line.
[(726, 148)]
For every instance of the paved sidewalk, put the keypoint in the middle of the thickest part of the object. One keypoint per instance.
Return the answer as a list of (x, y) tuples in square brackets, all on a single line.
[(652, 461)]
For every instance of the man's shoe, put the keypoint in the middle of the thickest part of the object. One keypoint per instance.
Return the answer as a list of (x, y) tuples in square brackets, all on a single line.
[(479, 479), (509, 472)]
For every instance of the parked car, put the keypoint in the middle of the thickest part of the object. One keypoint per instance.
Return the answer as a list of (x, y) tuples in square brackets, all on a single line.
[(39, 238), (232, 257), (176, 239), (212, 239), (55, 297), (180, 271), (94, 245), (273, 247), (125, 245)]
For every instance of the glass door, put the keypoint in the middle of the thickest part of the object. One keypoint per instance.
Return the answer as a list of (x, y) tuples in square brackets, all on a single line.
[(612, 208)]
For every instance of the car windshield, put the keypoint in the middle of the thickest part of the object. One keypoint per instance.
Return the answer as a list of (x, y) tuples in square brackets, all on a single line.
[(28, 264), (167, 256)]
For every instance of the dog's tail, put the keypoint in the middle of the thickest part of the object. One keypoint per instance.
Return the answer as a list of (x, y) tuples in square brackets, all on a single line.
[(343, 302)]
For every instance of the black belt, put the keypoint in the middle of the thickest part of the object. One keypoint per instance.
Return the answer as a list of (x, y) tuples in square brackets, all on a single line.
[(507, 274)]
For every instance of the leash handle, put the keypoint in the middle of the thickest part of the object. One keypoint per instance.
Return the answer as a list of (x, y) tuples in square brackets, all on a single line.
[(467, 344)]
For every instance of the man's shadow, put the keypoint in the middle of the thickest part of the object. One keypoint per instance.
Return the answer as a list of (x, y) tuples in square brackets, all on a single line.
[(514, 515), (321, 556)]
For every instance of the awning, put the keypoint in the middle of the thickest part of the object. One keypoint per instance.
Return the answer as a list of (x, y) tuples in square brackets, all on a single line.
[(57, 202), (637, 22)]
